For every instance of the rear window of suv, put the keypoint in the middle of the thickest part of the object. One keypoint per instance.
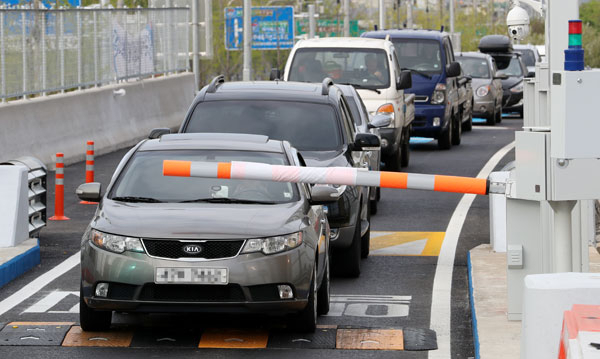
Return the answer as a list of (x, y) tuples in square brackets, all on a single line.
[(307, 126)]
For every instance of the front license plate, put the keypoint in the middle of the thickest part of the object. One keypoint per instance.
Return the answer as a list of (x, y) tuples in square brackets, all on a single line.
[(191, 276)]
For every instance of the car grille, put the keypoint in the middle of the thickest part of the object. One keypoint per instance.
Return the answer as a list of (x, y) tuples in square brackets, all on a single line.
[(173, 249), (121, 291), (264, 292), (192, 293), (419, 121), (421, 98)]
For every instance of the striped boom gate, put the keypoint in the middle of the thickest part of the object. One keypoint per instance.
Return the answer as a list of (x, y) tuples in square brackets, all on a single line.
[(329, 175)]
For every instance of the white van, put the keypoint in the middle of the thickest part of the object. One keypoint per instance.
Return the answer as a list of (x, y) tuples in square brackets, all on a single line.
[(371, 66)]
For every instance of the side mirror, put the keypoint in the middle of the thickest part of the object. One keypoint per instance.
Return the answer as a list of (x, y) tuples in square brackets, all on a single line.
[(453, 69), (531, 74), (323, 194), (404, 80), (89, 192), (275, 74), (380, 120), (366, 142), (157, 132), (500, 76)]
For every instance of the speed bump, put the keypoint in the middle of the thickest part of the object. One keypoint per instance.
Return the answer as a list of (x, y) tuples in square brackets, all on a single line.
[(374, 339), (406, 243), (34, 333), (322, 338), (234, 338), (114, 338)]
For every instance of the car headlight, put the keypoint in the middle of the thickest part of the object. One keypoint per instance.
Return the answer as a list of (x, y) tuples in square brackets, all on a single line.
[(271, 245), (439, 94), (387, 109), (483, 91), (114, 243), (517, 88)]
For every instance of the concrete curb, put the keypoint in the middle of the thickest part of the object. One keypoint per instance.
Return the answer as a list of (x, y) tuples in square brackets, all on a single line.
[(19, 264), (472, 304)]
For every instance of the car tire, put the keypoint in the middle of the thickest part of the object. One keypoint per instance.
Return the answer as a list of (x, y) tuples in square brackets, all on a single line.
[(468, 126), (366, 239), (92, 320), (347, 260), (457, 132), (378, 194), (393, 162), (499, 117), (373, 206), (405, 153), (491, 119), (306, 319), (445, 140), (323, 296)]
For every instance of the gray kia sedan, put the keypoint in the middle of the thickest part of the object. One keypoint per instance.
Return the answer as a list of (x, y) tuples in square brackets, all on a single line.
[(186, 244)]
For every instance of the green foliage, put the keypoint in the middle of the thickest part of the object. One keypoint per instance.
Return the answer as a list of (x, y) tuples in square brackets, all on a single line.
[(590, 13), (591, 45)]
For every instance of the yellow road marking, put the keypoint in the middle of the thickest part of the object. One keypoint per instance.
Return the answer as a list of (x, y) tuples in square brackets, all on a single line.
[(41, 323), (115, 338), (406, 243), (379, 339), (234, 338)]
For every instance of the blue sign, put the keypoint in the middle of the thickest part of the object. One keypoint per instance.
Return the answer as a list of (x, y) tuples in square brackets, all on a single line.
[(272, 28), (47, 3)]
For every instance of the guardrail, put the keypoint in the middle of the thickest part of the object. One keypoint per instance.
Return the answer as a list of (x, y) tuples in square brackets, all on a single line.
[(49, 51)]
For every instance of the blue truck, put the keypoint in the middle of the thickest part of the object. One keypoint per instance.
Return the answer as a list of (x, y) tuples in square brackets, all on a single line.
[(443, 103)]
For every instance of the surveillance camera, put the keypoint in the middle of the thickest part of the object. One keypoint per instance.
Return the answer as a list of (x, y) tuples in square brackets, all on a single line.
[(517, 21)]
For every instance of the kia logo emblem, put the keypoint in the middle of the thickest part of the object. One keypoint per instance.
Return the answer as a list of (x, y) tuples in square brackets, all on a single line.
[(192, 249)]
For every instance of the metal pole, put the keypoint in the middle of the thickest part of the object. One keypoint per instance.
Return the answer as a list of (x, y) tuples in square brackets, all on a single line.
[(563, 251), (24, 50), (164, 42), (452, 16), (139, 42), (409, 14), (381, 14), (95, 19), (61, 46), (347, 18), (2, 57), (126, 45), (247, 70), (312, 23), (195, 54), (208, 30), (79, 64), (43, 38)]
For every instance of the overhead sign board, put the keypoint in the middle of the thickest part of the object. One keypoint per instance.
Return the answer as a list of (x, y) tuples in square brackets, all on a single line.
[(328, 27), (272, 28)]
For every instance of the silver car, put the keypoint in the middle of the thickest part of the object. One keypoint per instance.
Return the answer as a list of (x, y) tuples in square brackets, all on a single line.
[(187, 244), (487, 85)]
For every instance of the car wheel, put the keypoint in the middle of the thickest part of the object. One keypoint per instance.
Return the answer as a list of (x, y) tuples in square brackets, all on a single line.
[(323, 293), (306, 319), (457, 133), (347, 260), (405, 154), (378, 194), (393, 162), (468, 126), (445, 140), (499, 117), (373, 206), (92, 320), (366, 239), (491, 119)]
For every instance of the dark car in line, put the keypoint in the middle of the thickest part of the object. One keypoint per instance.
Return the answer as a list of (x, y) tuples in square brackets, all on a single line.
[(187, 244), (315, 119)]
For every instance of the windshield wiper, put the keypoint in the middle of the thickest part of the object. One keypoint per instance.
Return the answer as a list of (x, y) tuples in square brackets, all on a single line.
[(136, 199), (361, 87), (424, 74), (226, 200)]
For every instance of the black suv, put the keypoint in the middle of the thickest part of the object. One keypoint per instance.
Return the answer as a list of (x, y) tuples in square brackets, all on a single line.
[(315, 119)]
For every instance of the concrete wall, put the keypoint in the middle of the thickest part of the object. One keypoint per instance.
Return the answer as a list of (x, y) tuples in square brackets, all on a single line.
[(40, 127)]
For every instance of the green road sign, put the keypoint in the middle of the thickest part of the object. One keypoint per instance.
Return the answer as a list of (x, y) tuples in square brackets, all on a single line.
[(328, 28)]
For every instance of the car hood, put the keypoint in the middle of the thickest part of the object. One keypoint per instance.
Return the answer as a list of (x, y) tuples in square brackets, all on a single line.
[(198, 220), (477, 83), (324, 158), (422, 85), (511, 81)]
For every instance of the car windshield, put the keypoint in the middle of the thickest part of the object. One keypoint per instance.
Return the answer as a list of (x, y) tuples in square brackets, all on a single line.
[(367, 68), (307, 126), (474, 67), (510, 66), (418, 54), (528, 56), (142, 180)]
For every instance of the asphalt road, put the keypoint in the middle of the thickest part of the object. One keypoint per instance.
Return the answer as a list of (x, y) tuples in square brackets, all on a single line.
[(393, 292)]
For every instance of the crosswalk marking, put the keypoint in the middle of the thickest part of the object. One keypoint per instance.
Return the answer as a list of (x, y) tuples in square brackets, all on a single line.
[(53, 298)]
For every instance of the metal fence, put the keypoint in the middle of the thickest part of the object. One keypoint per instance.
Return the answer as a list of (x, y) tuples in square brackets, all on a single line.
[(48, 51)]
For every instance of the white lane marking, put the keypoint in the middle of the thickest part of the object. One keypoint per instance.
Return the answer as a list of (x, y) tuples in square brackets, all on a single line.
[(442, 282), (359, 305), (39, 283), (493, 128), (49, 301)]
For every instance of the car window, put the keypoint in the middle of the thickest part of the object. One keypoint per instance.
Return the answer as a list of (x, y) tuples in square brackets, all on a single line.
[(348, 119), (142, 177), (474, 67), (355, 66), (528, 56), (511, 67), (307, 126), (419, 54), (449, 52), (396, 65), (354, 109)]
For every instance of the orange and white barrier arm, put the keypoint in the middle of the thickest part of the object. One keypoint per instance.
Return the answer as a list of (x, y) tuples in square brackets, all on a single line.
[(328, 175)]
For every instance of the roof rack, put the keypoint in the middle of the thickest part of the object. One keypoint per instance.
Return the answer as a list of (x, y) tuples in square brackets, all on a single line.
[(214, 84), (325, 86)]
